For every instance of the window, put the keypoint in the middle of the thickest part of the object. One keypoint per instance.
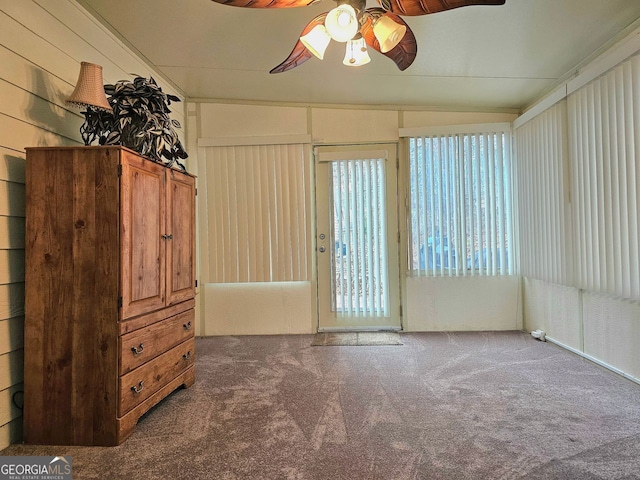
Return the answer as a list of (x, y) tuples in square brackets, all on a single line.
[(360, 283), (460, 203)]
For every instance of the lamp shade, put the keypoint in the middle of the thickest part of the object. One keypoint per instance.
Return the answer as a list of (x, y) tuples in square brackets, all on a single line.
[(356, 54), (342, 23), (388, 33), (316, 40), (89, 89)]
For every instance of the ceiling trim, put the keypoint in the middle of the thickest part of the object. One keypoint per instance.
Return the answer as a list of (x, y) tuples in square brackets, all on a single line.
[(259, 140), (343, 106), (455, 129), (621, 51)]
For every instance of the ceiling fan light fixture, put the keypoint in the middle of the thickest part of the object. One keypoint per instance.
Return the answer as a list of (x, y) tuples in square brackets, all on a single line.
[(356, 53), (388, 33), (317, 41), (342, 23)]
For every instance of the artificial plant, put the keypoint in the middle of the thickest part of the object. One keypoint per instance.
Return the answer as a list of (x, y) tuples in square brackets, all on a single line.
[(140, 121)]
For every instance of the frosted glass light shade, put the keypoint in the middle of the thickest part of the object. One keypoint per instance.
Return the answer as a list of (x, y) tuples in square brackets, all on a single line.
[(342, 23), (316, 40), (356, 54), (388, 33)]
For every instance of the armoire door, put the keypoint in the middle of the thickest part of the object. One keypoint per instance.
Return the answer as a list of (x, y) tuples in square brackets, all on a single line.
[(142, 226), (181, 230)]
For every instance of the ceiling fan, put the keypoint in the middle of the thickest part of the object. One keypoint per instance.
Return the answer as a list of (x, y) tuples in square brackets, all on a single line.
[(351, 22)]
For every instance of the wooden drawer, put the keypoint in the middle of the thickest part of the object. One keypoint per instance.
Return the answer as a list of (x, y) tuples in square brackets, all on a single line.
[(144, 381), (137, 348)]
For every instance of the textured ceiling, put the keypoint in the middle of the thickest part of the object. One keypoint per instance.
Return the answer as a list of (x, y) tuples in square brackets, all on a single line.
[(487, 57)]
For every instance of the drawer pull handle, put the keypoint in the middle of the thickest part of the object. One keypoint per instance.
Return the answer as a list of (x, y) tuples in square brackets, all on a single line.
[(138, 350), (187, 355), (137, 388), (187, 326)]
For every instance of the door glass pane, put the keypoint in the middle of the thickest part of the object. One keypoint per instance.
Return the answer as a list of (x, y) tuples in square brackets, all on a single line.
[(359, 272)]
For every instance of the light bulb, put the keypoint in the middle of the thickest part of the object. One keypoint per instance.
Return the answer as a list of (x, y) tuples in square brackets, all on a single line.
[(344, 18)]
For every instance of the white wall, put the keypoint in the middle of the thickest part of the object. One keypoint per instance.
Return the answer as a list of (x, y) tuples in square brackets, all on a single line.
[(291, 307), (598, 326), (257, 308), (42, 43), (463, 304)]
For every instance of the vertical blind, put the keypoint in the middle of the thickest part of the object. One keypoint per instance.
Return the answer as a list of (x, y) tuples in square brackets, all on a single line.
[(460, 204), (360, 280), (604, 136), (543, 187), (257, 222)]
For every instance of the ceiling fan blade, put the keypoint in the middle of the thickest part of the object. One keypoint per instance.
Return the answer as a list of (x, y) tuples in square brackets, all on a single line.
[(425, 7), (300, 53), (267, 3), (402, 54)]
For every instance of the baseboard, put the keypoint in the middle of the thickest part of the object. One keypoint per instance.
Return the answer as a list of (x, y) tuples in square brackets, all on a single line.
[(593, 359)]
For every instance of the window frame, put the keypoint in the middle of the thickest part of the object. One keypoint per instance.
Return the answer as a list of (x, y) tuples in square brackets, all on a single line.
[(490, 226)]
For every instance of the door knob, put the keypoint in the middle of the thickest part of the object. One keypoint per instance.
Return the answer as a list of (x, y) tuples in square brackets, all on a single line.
[(322, 249)]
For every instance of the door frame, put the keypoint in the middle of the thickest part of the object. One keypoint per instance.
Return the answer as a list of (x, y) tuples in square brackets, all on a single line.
[(395, 268)]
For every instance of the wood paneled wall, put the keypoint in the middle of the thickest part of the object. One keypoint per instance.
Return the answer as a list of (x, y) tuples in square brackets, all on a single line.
[(42, 43)]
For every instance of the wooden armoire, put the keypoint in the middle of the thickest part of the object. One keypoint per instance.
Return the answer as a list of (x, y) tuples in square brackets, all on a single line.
[(109, 296)]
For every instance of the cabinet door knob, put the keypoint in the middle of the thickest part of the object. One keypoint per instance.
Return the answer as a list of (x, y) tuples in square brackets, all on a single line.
[(187, 355), (137, 388), (187, 326), (137, 350)]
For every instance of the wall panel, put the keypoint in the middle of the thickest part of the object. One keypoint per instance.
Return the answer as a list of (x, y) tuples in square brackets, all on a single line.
[(11, 432), (16, 135), (11, 334), (39, 112), (348, 126), (12, 231), (11, 369), (11, 403), (490, 303), (258, 308), (11, 300), (612, 331), (42, 43), (234, 120), (555, 309), (12, 166)]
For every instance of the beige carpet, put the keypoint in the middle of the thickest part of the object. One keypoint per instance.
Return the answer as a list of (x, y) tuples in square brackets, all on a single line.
[(334, 339), (444, 406)]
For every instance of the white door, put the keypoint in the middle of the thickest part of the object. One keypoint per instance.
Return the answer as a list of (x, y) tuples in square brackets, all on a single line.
[(357, 243)]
